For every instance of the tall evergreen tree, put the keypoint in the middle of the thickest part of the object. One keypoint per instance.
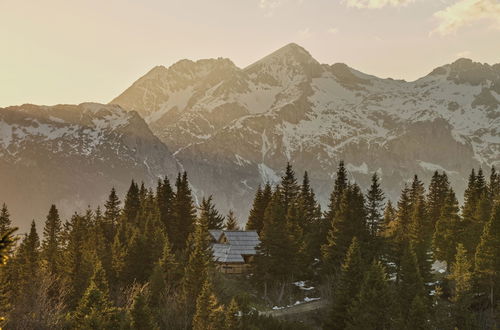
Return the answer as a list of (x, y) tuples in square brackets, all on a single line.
[(209, 314), (196, 270), (349, 222), (487, 259), (140, 314), (436, 197), (461, 276), (112, 208), (420, 240), (184, 213), (5, 223), (410, 284), (207, 209), (165, 197), (399, 229), (447, 232), (289, 187), (340, 185), (231, 221), (94, 311), (372, 308), (231, 318), (374, 204), (260, 202), (347, 288), (51, 244), (132, 203)]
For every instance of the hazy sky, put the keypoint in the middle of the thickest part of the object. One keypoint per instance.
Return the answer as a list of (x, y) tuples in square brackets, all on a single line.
[(71, 51)]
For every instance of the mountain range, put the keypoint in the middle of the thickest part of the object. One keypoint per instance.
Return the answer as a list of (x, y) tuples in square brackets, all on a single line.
[(234, 128)]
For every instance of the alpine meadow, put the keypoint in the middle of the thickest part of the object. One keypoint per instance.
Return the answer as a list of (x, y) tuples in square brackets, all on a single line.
[(339, 169)]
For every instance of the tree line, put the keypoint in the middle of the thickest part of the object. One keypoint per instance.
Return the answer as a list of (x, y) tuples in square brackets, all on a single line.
[(145, 262)]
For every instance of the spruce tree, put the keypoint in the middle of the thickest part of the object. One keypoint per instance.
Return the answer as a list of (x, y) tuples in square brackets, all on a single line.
[(77, 258), (289, 187), (207, 209), (347, 288), (132, 203), (418, 317), (374, 204), (419, 239), (260, 203), (184, 214), (5, 223), (94, 311), (140, 314), (231, 222), (436, 197), (209, 314), (447, 233), (398, 232), (51, 244), (349, 222), (487, 259), (165, 197), (410, 283), (196, 270), (231, 320), (372, 308), (340, 185), (462, 279), (112, 208)]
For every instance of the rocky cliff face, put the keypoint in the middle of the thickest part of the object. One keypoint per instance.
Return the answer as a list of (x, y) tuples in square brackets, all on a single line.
[(233, 129), (72, 155)]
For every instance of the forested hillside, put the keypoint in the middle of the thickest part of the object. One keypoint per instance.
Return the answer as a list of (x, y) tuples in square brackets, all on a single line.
[(144, 261)]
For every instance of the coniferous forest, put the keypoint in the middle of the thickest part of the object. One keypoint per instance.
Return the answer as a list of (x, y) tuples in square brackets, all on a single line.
[(144, 260)]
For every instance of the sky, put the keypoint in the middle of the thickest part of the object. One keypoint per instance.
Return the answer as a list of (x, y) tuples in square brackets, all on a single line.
[(60, 51)]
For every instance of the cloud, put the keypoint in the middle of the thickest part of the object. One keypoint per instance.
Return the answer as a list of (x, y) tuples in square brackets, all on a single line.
[(376, 4), (333, 30), (465, 53), (467, 12), (270, 4), (305, 33)]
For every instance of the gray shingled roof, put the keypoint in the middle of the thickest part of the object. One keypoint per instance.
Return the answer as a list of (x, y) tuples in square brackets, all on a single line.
[(215, 234), (239, 244)]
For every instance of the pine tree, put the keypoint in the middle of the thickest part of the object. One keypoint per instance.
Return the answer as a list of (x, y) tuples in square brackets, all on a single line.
[(132, 203), (260, 203), (461, 275), (51, 245), (494, 186), (140, 314), (338, 191), (487, 259), (5, 223), (184, 214), (349, 222), (436, 197), (208, 210), (447, 232), (231, 222), (165, 197), (399, 229), (231, 321), (77, 257), (289, 187), (276, 259), (313, 225), (94, 311), (196, 270), (209, 314), (374, 204), (410, 282), (373, 305), (418, 317), (347, 288), (112, 206), (419, 239)]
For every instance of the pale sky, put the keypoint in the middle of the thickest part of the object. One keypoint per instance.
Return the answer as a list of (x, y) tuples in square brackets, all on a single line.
[(72, 51)]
